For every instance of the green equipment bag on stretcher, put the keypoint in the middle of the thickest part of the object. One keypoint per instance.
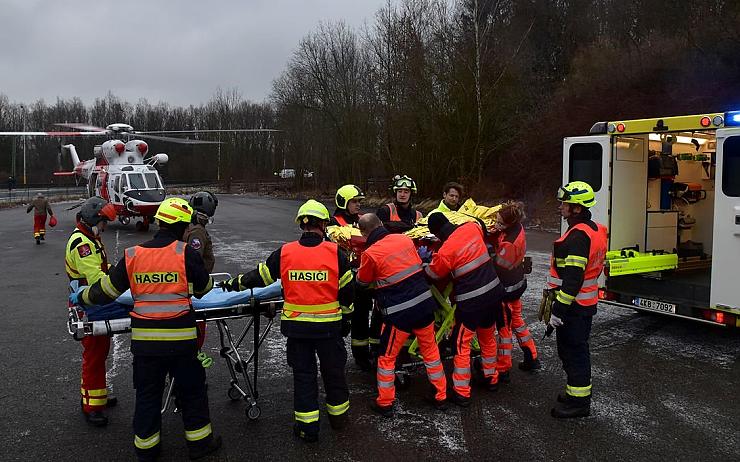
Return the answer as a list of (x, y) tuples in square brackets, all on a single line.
[(444, 321)]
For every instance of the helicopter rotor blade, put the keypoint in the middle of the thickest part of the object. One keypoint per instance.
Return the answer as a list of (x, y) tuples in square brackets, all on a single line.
[(246, 130), (172, 139), (80, 126), (52, 133)]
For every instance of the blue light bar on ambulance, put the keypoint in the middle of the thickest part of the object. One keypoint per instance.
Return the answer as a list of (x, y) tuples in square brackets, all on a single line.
[(732, 119)]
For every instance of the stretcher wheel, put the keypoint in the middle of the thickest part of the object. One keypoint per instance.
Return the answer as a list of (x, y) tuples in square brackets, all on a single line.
[(253, 412), (234, 394)]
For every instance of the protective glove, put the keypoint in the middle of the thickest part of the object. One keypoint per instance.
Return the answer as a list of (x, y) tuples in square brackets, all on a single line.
[(230, 285), (555, 321), (346, 327), (75, 297), (424, 253)]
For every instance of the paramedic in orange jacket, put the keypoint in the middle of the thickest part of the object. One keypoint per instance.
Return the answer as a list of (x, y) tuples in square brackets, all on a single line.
[(510, 245), (391, 265), (477, 293)]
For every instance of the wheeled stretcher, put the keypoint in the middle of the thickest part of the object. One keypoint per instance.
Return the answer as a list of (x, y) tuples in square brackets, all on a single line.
[(218, 307)]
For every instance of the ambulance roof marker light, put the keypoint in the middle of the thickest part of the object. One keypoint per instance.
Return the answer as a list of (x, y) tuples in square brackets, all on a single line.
[(705, 121), (732, 119), (620, 127), (718, 120)]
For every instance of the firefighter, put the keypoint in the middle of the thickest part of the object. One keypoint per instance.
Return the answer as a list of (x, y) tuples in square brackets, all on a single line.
[(477, 293), (392, 265), (318, 292), (509, 246), (204, 205), (576, 264), (400, 215), (86, 262), (40, 206), (163, 274), (347, 213), (348, 200), (451, 196)]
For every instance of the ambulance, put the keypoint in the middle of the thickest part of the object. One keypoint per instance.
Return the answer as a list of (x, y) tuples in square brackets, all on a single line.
[(668, 189)]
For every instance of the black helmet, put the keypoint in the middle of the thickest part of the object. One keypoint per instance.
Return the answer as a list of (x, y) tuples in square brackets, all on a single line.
[(204, 202), (96, 209)]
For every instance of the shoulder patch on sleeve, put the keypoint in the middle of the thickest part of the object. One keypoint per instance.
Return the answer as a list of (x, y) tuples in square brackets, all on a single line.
[(84, 250), (195, 243)]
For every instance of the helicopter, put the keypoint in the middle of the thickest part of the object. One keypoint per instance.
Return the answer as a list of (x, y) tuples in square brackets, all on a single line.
[(120, 171)]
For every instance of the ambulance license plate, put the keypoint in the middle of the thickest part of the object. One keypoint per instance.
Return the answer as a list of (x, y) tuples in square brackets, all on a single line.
[(654, 305)]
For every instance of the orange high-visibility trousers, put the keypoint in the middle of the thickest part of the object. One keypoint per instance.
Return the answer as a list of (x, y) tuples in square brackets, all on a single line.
[(462, 334), (523, 336), (505, 342), (387, 363)]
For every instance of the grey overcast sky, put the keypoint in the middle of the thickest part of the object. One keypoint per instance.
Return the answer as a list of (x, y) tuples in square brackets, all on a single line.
[(176, 51)]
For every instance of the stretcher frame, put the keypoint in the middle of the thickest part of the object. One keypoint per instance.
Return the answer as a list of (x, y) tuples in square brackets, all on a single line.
[(79, 327)]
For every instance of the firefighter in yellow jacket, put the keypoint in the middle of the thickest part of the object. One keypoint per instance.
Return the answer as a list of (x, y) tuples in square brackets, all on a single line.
[(318, 291), (163, 274), (86, 262)]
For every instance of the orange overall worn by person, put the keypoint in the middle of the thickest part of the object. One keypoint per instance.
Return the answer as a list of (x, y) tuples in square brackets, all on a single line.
[(477, 294), (391, 265), (510, 245), (40, 206)]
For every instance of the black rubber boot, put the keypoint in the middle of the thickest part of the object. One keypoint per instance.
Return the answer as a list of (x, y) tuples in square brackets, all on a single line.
[(96, 418), (385, 411), (38, 241), (362, 358), (504, 377), (572, 408), (199, 453), (460, 400), (112, 401), (338, 422), (307, 437), (529, 364)]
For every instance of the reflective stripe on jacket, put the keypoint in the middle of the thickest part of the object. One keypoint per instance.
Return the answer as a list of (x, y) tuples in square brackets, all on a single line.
[(310, 279), (464, 257), (386, 264), (510, 246), (588, 295), (158, 281)]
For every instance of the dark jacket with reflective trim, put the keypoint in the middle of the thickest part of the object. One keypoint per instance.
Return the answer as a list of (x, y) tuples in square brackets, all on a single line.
[(269, 271), (577, 243), (449, 262), (397, 293), (510, 247), (117, 281)]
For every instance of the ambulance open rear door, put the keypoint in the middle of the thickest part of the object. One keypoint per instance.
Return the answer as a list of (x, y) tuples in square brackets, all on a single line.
[(586, 158), (725, 291)]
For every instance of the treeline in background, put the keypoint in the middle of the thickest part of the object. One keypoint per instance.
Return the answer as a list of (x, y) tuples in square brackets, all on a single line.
[(477, 91)]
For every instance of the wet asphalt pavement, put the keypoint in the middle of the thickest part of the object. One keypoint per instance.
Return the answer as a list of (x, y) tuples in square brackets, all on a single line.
[(664, 389)]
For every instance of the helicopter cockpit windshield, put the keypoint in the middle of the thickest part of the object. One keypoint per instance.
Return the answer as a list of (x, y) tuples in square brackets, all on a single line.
[(143, 186), (143, 181)]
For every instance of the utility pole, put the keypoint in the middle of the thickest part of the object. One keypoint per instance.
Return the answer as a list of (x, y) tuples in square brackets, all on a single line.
[(23, 108)]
